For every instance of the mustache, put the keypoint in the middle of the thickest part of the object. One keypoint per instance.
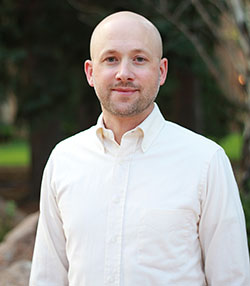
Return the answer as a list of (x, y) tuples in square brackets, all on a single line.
[(125, 84)]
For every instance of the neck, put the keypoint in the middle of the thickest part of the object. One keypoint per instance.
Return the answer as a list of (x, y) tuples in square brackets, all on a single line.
[(122, 124)]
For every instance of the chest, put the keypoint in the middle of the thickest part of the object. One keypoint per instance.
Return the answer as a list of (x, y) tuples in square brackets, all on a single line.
[(128, 189)]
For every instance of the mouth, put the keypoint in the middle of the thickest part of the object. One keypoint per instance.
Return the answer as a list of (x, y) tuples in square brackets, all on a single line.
[(125, 90)]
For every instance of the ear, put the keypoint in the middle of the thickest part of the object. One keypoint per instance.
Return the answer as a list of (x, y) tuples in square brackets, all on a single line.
[(163, 70), (88, 68)]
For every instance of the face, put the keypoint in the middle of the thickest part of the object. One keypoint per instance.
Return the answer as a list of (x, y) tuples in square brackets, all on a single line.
[(126, 70)]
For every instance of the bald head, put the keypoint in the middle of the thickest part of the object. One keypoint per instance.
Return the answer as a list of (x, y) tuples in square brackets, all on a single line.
[(124, 24), (126, 67)]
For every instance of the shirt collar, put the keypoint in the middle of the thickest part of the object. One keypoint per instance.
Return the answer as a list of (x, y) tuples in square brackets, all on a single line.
[(149, 128)]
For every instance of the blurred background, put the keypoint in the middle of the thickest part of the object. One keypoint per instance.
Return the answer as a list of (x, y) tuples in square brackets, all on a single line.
[(44, 96)]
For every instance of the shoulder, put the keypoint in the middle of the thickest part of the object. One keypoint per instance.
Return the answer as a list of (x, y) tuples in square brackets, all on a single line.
[(187, 141), (81, 141)]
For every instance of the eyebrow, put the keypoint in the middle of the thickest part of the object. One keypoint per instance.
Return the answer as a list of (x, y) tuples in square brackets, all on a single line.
[(113, 51), (108, 52)]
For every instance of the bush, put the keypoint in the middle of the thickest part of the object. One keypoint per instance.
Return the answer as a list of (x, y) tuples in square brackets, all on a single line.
[(246, 206), (14, 153), (6, 132), (232, 144), (6, 218)]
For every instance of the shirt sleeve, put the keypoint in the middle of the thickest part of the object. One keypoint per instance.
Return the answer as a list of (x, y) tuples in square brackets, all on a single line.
[(222, 229), (49, 264)]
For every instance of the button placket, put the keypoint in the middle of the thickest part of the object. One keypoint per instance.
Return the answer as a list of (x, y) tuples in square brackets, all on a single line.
[(115, 220), (115, 224)]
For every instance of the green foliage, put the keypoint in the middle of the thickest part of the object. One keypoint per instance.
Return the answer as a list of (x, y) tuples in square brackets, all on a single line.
[(183, 60), (6, 218), (232, 144), (15, 153), (6, 131), (43, 45), (246, 206), (11, 53)]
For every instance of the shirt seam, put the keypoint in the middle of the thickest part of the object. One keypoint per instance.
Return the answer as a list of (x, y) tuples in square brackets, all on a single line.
[(204, 175)]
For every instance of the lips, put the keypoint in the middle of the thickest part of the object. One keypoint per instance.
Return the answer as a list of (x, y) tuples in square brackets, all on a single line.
[(125, 90)]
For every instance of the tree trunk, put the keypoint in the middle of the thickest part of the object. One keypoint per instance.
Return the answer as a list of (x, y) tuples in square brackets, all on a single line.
[(187, 106), (42, 141), (246, 158), (246, 142)]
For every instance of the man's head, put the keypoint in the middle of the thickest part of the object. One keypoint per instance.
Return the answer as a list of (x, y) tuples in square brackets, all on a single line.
[(126, 66), (135, 21)]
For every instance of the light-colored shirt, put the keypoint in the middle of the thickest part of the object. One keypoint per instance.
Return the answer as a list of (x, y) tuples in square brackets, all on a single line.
[(160, 209)]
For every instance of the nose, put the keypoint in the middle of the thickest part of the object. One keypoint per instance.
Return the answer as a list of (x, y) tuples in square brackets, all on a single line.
[(124, 72)]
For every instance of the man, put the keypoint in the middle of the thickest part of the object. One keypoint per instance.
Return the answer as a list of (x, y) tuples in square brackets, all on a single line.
[(137, 200)]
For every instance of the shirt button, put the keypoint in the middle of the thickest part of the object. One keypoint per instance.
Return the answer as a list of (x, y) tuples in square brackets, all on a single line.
[(120, 161), (110, 279), (114, 239), (116, 200)]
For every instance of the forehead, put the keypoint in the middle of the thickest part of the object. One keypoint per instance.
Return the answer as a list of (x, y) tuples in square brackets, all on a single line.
[(125, 35)]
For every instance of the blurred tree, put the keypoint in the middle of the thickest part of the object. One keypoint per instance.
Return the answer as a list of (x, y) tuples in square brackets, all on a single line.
[(231, 37), (240, 23), (42, 48), (10, 53), (219, 31), (44, 44), (185, 97), (229, 25)]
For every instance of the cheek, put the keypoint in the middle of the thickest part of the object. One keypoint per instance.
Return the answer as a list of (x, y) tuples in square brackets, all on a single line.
[(149, 78), (102, 75), (102, 80)]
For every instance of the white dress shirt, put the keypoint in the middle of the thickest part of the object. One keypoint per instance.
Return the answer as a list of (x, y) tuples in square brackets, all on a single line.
[(160, 209)]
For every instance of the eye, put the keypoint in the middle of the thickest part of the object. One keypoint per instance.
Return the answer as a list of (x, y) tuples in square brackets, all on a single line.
[(110, 60), (139, 59)]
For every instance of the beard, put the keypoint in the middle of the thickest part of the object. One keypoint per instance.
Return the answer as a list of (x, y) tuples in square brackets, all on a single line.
[(127, 106)]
